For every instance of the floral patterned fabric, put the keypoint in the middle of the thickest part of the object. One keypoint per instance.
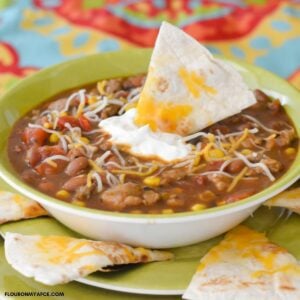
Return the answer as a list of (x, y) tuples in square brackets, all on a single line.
[(38, 33)]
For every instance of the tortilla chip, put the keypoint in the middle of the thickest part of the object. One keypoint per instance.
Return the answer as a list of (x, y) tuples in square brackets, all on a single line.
[(289, 199), (15, 207), (186, 88), (59, 259), (246, 265)]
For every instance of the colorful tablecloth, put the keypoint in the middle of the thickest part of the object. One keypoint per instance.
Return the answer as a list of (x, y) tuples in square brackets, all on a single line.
[(38, 33)]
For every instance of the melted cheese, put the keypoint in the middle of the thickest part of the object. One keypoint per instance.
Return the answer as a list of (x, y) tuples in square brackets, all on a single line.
[(242, 244), (165, 116), (195, 83), (142, 141)]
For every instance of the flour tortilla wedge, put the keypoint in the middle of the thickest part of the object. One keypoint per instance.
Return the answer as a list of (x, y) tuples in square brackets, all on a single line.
[(289, 199), (15, 207), (247, 266), (187, 89), (60, 259)]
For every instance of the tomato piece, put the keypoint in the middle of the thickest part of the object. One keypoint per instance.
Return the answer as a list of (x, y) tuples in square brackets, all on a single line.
[(214, 165), (67, 119), (47, 151), (85, 123), (45, 169), (35, 136)]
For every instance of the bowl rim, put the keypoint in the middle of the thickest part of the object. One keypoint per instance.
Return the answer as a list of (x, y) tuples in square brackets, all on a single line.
[(287, 179)]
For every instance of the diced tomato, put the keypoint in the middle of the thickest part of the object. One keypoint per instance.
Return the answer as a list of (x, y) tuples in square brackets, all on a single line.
[(45, 169), (34, 136), (214, 165), (47, 151), (67, 119), (84, 123)]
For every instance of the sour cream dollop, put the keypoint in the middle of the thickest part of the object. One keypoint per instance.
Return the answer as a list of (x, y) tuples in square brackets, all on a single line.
[(142, 141)]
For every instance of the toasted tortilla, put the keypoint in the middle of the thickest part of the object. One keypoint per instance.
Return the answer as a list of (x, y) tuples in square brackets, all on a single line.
[(186, 88), (289, 199), (60, 259), (246, 265), (15, 207)]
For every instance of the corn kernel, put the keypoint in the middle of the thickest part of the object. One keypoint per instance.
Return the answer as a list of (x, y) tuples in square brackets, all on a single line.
[(167, 211), (206, 196), (53, 138), (101, 86), (79, 203), (290, 151), (152, 181), (246, 151), (63, 114), (197, 207), (92, 100), (63, 194), (47, 125), (85, 140), (216, 153)]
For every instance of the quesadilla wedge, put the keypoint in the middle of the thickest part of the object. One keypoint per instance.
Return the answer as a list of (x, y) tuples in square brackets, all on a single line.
[(15, 207), (60, 259), (247, 266), (187, 89), (289, 199)]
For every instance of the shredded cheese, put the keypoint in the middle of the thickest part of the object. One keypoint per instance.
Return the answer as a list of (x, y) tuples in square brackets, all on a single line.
[(239, 141), (237, 179), (260, 124), (135, 173), (254, 165)]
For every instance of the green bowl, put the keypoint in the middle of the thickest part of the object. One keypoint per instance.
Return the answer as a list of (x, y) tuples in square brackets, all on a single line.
[(154, 230)]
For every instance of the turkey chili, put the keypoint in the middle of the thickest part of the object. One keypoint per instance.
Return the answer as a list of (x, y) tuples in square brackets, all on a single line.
[(59, 149)]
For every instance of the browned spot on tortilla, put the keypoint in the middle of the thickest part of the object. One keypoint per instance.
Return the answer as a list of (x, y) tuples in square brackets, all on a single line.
[(34, 210), (218, 281), (287, 287), (162, 84)]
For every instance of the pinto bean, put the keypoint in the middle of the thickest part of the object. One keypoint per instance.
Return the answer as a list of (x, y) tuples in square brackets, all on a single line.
[(33, 157), (76, 166), (47, 187), (235, 167), (72, 184), (76, 152)]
